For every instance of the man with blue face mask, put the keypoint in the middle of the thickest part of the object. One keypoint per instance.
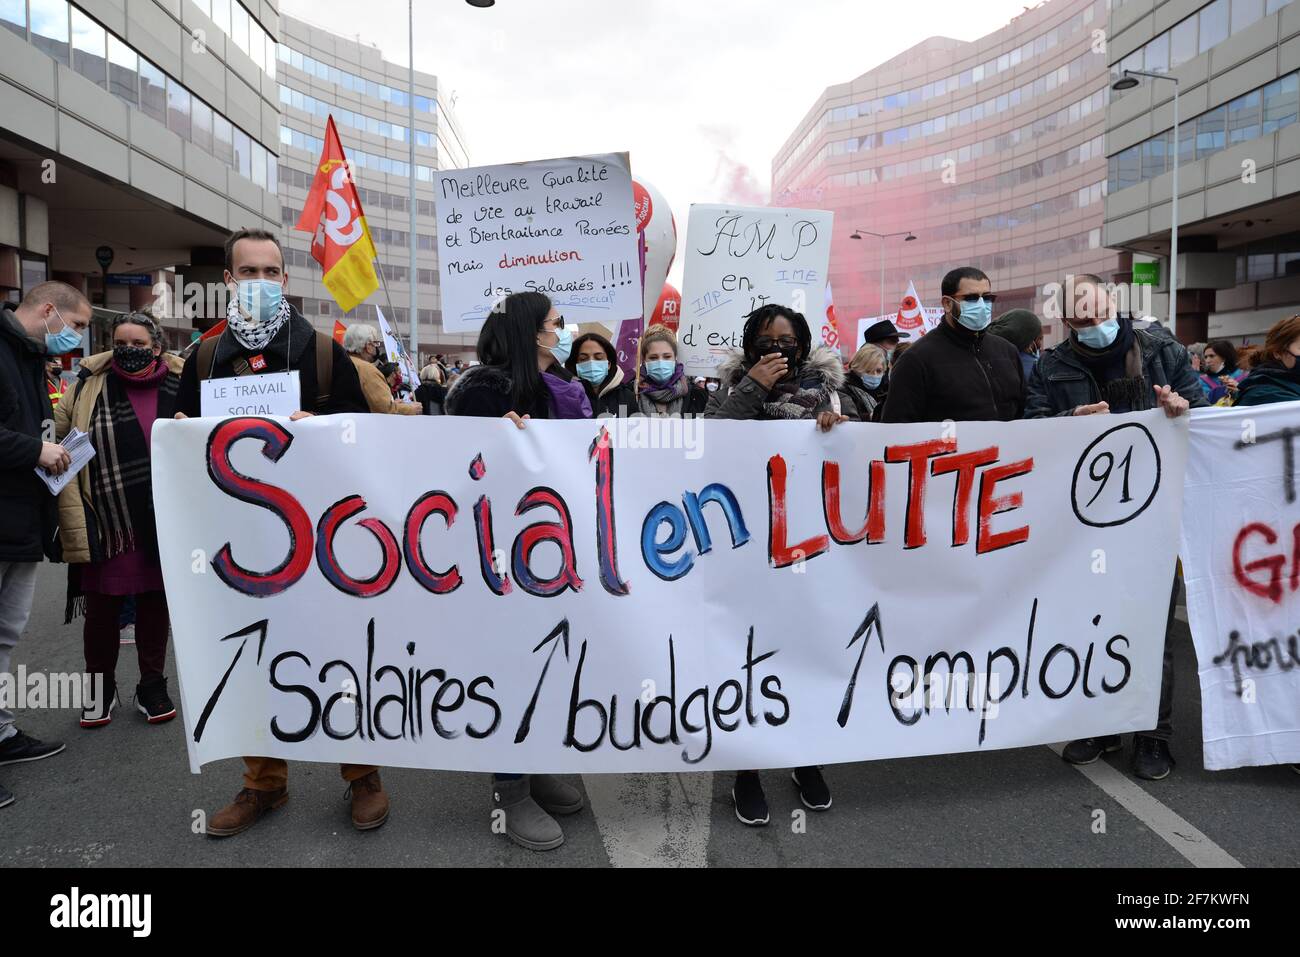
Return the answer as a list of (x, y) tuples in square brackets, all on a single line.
[(957, 371), (264, 334), (1104, 366), (51, 321)]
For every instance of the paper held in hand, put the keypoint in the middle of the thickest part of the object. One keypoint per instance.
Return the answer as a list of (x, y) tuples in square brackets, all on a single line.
[(80, 450), (274, 393)]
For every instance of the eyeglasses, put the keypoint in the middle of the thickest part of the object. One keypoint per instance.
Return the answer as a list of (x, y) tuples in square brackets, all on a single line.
[(768, 345), (976, 297)]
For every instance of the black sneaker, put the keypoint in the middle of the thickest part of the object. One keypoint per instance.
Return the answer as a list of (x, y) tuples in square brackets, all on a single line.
[(814, 793), (6, 797), (100, 712), (1088, 750), (151, 700), (22, 747), (1151, 758), (751, 804)]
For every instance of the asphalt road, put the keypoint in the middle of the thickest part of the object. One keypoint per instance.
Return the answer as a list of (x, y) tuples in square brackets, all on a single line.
[(123, 796)]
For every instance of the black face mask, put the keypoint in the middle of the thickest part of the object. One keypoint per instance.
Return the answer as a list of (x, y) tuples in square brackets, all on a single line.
[(132, 358)]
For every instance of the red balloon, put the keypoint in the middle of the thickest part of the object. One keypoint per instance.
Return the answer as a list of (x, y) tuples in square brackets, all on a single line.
[(668, 311)]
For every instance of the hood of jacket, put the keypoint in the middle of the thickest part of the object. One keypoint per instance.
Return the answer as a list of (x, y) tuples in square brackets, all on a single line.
[(823, 363), (12, 329), (478, 377)]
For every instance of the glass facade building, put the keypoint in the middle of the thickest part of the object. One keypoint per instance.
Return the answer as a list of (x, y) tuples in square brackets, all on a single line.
[(991, 153), (318, 75)]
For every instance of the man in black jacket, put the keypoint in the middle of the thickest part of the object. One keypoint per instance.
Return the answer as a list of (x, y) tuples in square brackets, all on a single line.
[(268, 335), (956, 371), (1104, 366), (264, 334), (51, 320)]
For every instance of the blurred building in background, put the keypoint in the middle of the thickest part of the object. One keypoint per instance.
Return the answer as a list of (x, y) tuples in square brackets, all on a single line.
[(134, 135), (991, 153), (322, 74), (1237, 63)]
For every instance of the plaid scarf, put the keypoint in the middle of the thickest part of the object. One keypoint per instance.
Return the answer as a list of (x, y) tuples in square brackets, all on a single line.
[(797, 398), (121, 489)]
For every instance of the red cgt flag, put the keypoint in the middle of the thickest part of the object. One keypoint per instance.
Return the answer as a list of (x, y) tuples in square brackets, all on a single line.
[(341, 240)]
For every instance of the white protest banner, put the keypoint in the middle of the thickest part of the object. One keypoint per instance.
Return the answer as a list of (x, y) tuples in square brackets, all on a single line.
[(1241, 563), (565, 227), (271, 393), (737, 259), (663, 594)]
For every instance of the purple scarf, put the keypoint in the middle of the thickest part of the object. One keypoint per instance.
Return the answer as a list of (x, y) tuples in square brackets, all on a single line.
[(568, 399)]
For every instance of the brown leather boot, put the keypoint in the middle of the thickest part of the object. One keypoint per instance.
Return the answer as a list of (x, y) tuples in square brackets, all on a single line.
[(369, 802), (244, 811)]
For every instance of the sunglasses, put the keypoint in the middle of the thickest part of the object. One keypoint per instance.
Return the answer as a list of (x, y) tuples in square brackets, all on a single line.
[(975, 297)]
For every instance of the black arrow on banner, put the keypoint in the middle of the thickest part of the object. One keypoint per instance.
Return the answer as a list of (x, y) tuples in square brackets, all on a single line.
[(255, 627), (560, 631), (873, 618)]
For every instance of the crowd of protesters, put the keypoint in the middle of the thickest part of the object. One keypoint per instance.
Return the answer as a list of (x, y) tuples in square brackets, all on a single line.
[(529, 366)]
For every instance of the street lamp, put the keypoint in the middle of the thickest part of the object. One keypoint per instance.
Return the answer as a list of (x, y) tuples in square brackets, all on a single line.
[(410, 136), (908, 237), (1127, 82)]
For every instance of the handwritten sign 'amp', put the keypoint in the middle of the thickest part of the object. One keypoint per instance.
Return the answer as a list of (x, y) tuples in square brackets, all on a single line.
[(737, 259), (564, 227)]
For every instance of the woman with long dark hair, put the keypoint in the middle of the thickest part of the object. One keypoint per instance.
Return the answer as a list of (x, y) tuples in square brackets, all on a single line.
[(522, 349), (594, 361), (106, 517), (1220, 373)]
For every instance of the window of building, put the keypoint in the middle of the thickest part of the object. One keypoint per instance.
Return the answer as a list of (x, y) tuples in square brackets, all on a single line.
[(1260, 266), (13, 15), (1280, 101), (239, 25), (123, 71), (178, 108), (35, 271), (201, 117), (1186, 141), (1157, 54), (1128, 168), (153, 91), (243, 154), (221, 15), (1210, 132), (1213, 22), (223, 139), (1244, 118), (1182, 42), (1274, 5), (50, 28), (89, 51), (1154, 153), (1246, 12), (205, 6)]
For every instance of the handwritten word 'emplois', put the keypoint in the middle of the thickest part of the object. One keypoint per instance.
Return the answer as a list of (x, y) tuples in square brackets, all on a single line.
[(740, 237), (669, 558)]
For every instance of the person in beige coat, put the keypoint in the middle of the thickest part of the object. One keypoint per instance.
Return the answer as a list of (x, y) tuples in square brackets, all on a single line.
[(363, 343), (106, 518)]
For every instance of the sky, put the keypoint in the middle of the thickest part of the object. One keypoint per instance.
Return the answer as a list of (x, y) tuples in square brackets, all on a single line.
[(701, 93)]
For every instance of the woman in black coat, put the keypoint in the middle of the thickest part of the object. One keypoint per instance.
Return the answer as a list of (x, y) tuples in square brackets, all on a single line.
[(595, 362)]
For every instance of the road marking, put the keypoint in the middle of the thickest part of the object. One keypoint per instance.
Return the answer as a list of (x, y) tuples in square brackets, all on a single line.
[(653, 820), (1177, 832)]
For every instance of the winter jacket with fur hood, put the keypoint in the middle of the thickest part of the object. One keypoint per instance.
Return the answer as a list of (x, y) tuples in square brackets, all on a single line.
[(821, 387)]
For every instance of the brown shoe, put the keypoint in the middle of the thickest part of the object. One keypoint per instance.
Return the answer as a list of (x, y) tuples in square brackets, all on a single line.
[(369, 802), (244, 811)]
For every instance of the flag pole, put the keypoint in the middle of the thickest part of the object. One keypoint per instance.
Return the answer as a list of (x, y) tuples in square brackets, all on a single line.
[(410, 137)]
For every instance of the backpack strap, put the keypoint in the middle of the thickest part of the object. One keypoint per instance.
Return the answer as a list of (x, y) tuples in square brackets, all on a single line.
[(204, 357), (324, 370)]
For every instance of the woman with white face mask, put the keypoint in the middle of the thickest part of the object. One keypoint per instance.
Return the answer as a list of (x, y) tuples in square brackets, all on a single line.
[(594, 360), (866, 373), (662, 387)]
